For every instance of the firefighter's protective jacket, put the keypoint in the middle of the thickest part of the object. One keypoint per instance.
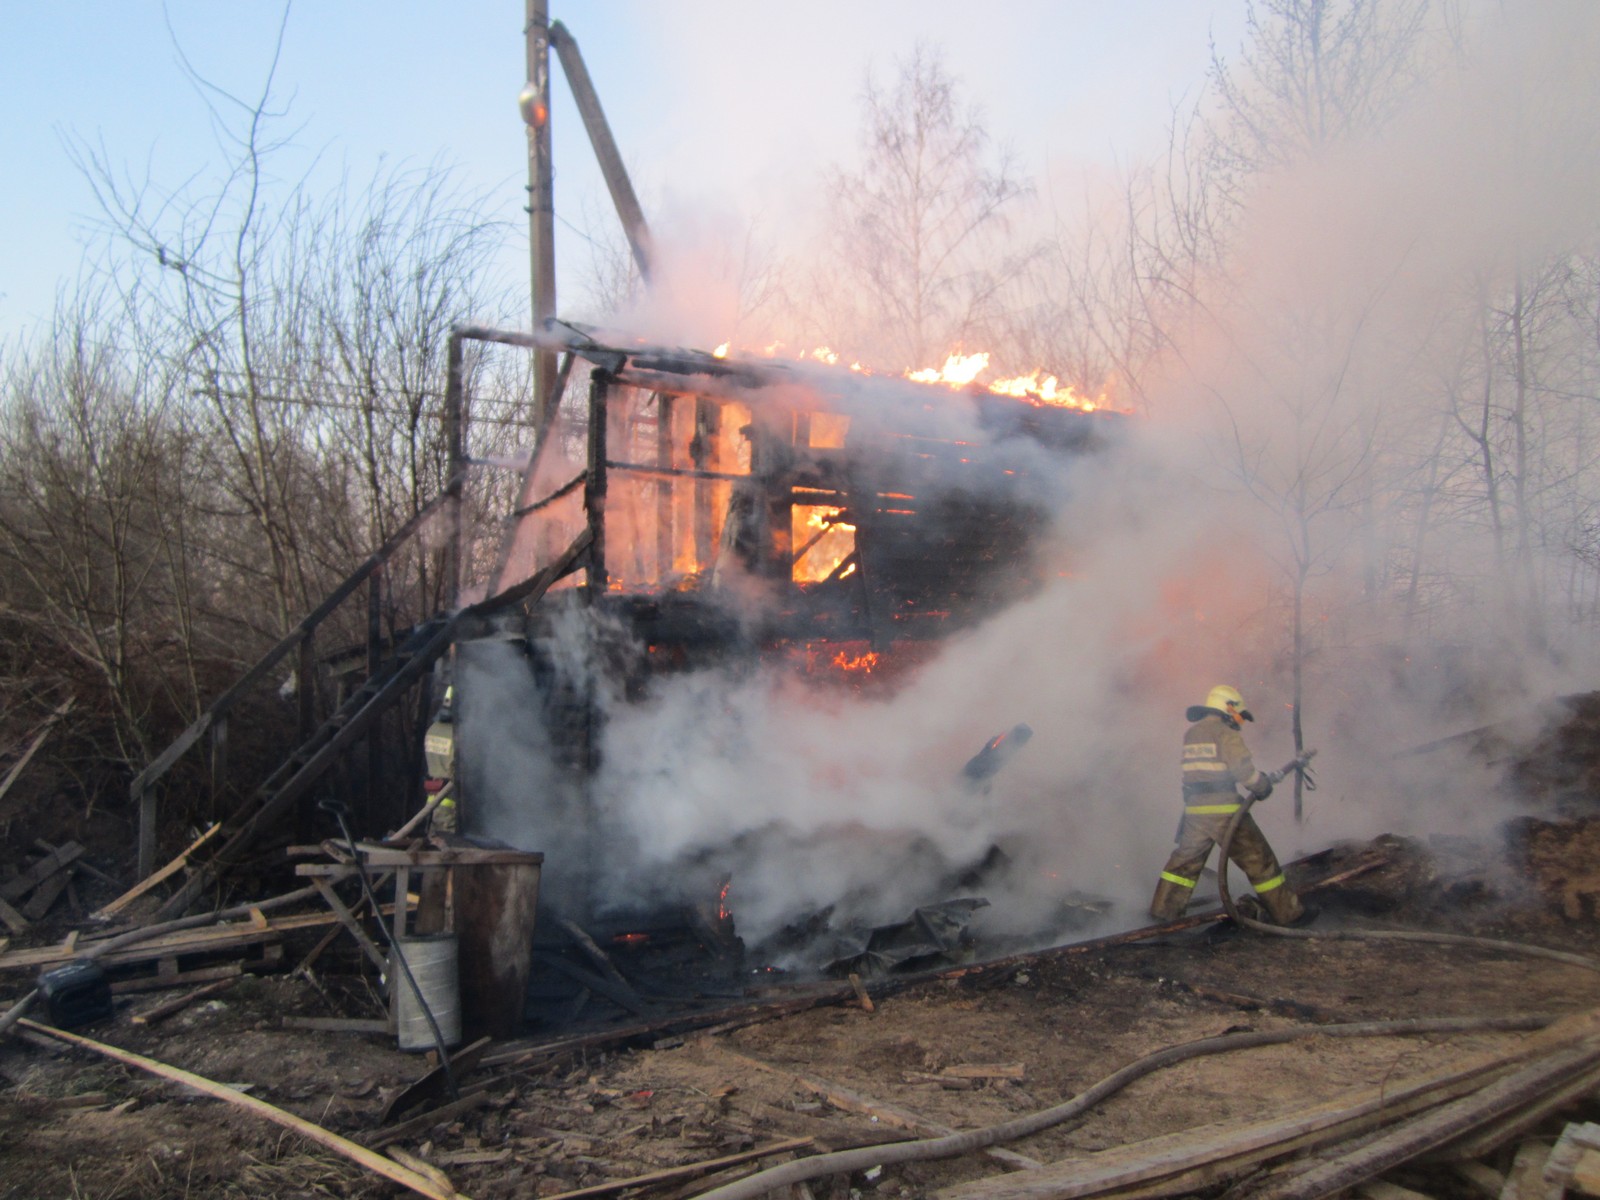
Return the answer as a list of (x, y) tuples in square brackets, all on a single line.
[(1215, 759)]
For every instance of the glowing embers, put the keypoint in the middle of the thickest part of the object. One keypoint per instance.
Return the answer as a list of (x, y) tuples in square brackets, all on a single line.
[(822, 541), (863, 662)]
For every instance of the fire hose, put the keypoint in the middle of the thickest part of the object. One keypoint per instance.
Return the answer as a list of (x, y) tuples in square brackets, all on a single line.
[(972, 1140), (1225, 848)]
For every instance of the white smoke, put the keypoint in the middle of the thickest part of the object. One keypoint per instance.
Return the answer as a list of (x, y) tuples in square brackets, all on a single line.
[(1173, 562)]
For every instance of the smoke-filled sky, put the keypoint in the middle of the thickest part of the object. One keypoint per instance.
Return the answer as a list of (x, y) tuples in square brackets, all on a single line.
[(716, 104)]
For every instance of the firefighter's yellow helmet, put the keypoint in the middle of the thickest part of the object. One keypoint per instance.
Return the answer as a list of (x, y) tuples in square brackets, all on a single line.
[(1227, 699)]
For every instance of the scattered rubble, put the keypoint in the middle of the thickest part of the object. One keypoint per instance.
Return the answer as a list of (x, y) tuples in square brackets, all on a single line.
[(278, 1005)]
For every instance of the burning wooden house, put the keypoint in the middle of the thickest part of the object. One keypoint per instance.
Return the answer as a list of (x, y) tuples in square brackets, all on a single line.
[(730, 513)]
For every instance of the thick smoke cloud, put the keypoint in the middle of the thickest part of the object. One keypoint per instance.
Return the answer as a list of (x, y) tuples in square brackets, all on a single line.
[(1307, 378)]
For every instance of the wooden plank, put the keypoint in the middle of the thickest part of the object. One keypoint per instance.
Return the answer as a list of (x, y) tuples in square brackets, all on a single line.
[(1523, 1181), (687, 1170), (155, 877), (431, 1085), (1515, 1124), (1400, 1142), (21, 764), (348, 920), (1215, 1152), (15, 889), (861, 993), (338, 1024), (82, 864), (230, 936), (1479, 1178), (456, 856), (1586, 1173), (623, 996), (165, 979), (46, 894), (987, 1071), (14, 920), (424, 1168), (474, 1099), (166, 1008), (358, 1154), (1380, 1189)]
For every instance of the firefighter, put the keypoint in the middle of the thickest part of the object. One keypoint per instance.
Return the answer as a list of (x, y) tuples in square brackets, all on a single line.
[(439, 748), (1216, 764)]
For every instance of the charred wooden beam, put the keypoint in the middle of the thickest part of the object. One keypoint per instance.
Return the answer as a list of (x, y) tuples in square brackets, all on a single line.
[(605, 146), (594, 492), (664, 543)]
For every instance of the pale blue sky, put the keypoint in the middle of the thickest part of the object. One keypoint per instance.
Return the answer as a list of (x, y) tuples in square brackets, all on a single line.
[(721, 105)]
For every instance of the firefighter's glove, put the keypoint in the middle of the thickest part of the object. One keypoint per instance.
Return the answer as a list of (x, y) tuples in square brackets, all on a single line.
[(1263, 788)]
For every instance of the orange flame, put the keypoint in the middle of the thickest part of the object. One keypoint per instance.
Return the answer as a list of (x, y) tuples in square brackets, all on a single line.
[(1046, 391), (863, 662), (962, 370), (958, 370), (821, 541)]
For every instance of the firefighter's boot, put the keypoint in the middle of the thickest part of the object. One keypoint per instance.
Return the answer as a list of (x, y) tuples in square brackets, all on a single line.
[(1170, 900), (1282, 904)]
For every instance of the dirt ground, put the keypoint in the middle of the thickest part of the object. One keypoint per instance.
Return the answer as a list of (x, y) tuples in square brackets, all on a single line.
[(1034, 1031)]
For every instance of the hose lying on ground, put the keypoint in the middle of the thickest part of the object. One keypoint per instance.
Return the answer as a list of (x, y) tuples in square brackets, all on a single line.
[(1225, 847), (972, 1140)]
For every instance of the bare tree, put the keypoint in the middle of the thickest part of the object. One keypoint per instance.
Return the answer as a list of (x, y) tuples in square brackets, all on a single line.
[(1313, 74), (922, 225), (87, 503)]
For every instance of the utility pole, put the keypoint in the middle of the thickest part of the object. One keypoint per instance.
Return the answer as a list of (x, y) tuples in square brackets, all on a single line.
[(535, 105)]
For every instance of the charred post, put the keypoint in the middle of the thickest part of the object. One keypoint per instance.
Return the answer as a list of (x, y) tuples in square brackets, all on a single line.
[(594, 492)]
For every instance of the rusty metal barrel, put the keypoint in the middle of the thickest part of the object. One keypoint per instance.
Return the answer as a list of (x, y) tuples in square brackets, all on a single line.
[(496, 901)]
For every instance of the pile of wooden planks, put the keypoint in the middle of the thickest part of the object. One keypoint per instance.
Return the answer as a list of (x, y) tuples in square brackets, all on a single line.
[(178, 958), (1448, 1121), (30, 894)]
